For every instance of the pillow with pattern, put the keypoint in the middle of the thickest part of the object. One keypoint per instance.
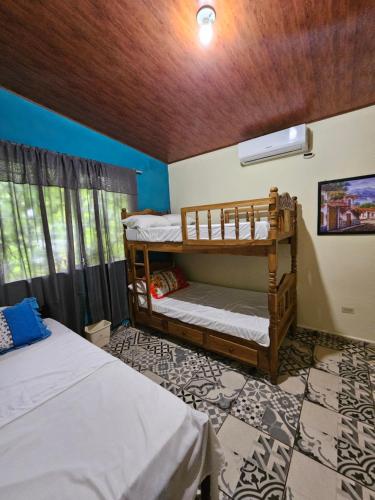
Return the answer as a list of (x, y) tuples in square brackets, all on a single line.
[(165, 282), (21, 325), (6, 339)]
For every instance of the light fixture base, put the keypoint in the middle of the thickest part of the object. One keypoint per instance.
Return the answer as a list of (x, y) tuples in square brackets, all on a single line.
[(206, 15)]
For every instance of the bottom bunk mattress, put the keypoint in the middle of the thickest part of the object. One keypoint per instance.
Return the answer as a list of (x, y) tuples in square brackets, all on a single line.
[(241, 313)]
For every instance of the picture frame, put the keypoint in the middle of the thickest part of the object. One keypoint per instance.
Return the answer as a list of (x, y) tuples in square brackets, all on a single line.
[(347, 206)]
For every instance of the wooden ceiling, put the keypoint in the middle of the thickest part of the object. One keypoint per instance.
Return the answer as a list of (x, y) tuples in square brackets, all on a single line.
[(135, 70)]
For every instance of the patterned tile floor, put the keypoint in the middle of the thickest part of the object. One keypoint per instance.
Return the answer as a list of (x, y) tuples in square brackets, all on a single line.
[(311, 437)]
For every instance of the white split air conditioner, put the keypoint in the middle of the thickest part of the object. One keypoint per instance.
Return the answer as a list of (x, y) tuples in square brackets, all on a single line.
[(287, 142)]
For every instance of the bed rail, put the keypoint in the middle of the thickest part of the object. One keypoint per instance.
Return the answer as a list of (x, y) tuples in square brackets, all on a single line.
[(277, 210), (147, 211)]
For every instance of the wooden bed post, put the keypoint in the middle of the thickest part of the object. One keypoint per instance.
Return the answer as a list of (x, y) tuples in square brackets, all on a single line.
[(184, 225), (272, 285), (293, 240), (293, 259), (124, 214), (146, 260)]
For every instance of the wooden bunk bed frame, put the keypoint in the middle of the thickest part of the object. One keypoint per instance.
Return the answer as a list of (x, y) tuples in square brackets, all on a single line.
[(281, 212)]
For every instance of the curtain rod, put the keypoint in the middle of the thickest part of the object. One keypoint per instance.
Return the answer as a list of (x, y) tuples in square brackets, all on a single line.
[(138, 172)]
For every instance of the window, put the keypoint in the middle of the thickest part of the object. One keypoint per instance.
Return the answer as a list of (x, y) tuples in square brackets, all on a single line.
[(24, 254)]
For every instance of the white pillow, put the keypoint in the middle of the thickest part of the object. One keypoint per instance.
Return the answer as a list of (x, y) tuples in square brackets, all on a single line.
[(145, 221), (141, 287), (175, 219), (3, 307)]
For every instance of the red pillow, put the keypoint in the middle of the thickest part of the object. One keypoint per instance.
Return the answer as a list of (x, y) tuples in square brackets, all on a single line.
[(165, 282)]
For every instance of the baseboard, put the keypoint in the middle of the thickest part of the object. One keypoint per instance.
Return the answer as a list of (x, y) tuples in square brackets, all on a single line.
[(350, 337)]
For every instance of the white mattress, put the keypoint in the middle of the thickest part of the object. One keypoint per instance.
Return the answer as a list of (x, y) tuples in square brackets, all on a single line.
[(241, 313), (174, 233), (77, 423)]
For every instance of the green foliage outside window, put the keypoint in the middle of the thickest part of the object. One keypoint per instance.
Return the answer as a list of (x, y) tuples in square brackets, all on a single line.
[(23, 253)]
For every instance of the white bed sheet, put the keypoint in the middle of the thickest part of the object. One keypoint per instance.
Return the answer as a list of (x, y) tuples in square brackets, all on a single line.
[(32, 375), (174, 233), (106, 432), (241, 313)]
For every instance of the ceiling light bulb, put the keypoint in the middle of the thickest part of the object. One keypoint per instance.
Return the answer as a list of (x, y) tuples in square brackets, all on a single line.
[(206, 16), (205, 34)]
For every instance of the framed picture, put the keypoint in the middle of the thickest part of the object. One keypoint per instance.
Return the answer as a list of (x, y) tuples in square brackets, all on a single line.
[(347, 206)]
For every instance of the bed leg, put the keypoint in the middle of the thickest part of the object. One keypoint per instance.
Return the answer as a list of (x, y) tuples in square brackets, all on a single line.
[(274, 362), (293, 327), (206, 488), (274, 366), (273, 377), (131, 312)]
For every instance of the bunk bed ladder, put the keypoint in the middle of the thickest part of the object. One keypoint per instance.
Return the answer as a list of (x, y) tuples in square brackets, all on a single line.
[(145, 265)]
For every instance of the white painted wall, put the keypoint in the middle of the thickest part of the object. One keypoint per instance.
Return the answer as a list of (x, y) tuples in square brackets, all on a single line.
[(334, 271)]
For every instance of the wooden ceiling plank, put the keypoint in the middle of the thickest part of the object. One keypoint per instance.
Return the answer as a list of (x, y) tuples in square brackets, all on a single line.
[(134, 70)]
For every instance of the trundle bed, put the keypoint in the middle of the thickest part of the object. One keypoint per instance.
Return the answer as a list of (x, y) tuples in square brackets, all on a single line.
[(241, 324)]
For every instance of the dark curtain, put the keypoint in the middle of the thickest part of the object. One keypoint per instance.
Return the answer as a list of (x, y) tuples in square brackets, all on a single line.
[(61, 234)]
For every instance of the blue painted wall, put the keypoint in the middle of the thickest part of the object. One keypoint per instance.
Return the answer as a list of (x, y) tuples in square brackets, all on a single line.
[(28, 123)]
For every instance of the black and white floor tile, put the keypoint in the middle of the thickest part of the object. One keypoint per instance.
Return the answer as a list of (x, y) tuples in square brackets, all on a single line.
[(311, 436), (217, 384)]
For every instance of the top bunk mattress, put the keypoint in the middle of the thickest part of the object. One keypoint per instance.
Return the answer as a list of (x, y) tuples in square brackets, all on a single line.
[(174, 233), (241, 313)]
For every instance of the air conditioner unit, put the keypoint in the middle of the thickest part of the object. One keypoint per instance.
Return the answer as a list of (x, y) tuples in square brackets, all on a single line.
[(287, 142)]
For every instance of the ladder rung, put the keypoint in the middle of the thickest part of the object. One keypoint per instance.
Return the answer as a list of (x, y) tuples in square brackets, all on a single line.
[(139, 264)]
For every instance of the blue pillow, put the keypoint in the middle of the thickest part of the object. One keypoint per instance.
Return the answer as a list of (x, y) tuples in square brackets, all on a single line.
[(24, 323)]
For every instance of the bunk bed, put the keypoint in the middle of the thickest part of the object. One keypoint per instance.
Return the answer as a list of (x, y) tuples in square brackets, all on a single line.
[(251, 227)]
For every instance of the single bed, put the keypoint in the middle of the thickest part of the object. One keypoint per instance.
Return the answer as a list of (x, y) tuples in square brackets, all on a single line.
[(174, 233), (77, 423), (241, 313)]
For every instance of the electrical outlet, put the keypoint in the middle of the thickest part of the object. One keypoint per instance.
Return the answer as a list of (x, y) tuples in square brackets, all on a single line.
[(347, 310)]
